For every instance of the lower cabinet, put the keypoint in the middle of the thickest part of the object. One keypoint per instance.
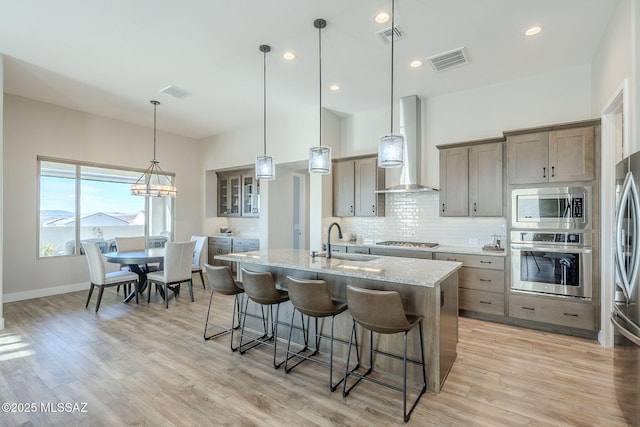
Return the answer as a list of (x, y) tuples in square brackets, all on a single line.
[(480, 282), (562, 312)]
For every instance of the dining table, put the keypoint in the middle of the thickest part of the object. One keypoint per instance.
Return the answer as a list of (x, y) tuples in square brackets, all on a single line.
[(138, 262)]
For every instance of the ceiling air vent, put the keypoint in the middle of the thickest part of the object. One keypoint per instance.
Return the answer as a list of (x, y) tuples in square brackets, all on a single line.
[(176, 92), (447, 60), (386, 34)]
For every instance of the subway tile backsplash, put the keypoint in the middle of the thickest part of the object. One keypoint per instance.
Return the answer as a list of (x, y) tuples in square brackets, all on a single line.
[(415, 217)]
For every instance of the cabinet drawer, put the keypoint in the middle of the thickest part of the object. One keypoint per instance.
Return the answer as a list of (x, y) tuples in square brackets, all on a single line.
[(557, 312), (479, 261), (481, 279), (481, 302), (357, 250), (338, 248), (245, 245)]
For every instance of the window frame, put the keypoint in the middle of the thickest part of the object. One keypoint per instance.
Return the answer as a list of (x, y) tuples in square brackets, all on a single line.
[(78, 164)]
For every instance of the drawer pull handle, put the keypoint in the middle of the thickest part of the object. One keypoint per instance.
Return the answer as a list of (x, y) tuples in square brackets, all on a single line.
[(544, 172), (571, 314), (485, 280), (529, 308), (485, 302), (485, 262), (451, 259), (443, 207)]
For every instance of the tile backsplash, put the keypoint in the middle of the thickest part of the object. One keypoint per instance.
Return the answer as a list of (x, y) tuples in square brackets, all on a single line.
[(415, 217)]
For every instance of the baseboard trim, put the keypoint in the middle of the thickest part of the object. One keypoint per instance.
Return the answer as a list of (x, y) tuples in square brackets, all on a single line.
[(39, 293)]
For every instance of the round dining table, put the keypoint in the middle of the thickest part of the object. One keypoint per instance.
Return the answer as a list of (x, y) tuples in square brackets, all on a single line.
[(138, 262)]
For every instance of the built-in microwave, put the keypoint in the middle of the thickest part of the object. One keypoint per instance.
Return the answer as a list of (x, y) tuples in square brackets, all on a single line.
[(563, 208)]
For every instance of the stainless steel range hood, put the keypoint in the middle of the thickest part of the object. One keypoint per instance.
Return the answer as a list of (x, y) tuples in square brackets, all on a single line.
[(406, 179)]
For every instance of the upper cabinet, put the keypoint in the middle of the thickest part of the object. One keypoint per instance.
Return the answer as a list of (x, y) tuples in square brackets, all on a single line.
[(355, 182), (551, 156), (471, 179), (238, 194)]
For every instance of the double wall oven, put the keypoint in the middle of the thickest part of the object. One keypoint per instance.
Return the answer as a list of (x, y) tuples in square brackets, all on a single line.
[(551, 241)]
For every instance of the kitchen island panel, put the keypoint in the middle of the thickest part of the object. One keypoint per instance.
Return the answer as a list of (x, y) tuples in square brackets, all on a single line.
[(432, 293)]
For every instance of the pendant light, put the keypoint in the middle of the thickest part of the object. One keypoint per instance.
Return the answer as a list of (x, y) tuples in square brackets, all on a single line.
[(391, 146), (265, 169), (154, 182), (320, 157)]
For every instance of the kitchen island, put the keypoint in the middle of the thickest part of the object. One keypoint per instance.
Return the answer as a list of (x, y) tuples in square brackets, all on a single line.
[(428, 288)]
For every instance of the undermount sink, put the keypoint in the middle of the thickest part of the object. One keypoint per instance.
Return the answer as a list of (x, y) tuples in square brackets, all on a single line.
[(353, 257)]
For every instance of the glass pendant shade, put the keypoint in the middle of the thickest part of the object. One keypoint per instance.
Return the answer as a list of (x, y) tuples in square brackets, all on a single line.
[(320, 160), (265, 169), (391, 151), (154, 182)]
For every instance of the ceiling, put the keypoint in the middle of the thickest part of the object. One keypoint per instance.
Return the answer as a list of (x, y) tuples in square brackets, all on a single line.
[(111, 57)]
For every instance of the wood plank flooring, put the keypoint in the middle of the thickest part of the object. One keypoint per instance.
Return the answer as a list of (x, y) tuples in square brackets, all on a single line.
[(146, 365)]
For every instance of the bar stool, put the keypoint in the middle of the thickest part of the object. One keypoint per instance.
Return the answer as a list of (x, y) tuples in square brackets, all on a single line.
[(221, 281), (312, 298), (261, 289), (382, 312)]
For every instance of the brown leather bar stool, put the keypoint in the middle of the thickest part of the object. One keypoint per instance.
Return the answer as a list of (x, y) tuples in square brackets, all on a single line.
[(221, 281), (261, 289), (382, 312), (312, 298)]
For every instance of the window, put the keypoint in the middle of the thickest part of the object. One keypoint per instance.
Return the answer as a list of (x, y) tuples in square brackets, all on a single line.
[(97, 198)]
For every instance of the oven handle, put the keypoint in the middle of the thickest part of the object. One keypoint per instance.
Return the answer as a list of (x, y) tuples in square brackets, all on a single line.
[(551, 249)]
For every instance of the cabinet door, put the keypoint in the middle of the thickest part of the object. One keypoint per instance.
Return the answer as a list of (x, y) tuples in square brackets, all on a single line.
[(250, 196), (528, 158), (234, 193), (366, 184), (571, 154), (454, 184), (223, 196), (343, 188), (229, 195), (485, 180)]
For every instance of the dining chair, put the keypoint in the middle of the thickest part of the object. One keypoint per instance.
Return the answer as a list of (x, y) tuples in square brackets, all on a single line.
[(98, 277), (135, 243), (178, 258), (130, 243), (198, 257)]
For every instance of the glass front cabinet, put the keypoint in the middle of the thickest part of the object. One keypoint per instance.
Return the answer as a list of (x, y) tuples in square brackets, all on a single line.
[(238, 194)]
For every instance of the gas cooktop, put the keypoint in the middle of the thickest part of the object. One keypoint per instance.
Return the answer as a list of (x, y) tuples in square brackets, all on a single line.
[(408, 244)]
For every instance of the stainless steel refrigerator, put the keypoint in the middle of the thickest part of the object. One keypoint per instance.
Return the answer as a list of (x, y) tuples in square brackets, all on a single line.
[(625, 316)]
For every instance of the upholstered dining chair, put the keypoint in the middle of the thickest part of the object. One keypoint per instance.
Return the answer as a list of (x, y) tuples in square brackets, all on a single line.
[(178, 258), (130, 243), (198, 257), (99, 278), (135, 243)]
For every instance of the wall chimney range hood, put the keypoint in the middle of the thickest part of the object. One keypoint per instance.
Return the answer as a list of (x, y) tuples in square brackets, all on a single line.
[(406, 179)]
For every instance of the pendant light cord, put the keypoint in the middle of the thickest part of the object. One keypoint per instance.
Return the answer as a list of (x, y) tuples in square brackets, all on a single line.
[(155, 106), (320, 85), (393, 29), (264, 97)]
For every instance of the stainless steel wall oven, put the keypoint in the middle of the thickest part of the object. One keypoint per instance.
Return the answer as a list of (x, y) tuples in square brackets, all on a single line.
[(558, 263)]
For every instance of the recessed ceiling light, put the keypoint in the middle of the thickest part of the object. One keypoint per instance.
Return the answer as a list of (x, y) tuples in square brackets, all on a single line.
[(533, 31), (416, 64), (382, 17), (289, 56), (334, 87)]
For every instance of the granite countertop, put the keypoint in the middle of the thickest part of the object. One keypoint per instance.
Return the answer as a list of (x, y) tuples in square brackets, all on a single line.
[(411, 271), (470, 250)]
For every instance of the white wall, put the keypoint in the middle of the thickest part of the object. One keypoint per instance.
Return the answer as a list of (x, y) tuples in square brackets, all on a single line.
[(612, 62), (288, 142), (34, 128), (1, 188)]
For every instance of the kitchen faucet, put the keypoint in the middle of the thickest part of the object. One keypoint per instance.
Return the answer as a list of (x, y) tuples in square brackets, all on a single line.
[(328, 247)]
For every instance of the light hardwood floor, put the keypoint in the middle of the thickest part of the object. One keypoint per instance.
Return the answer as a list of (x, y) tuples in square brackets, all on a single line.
[(145, 365)]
